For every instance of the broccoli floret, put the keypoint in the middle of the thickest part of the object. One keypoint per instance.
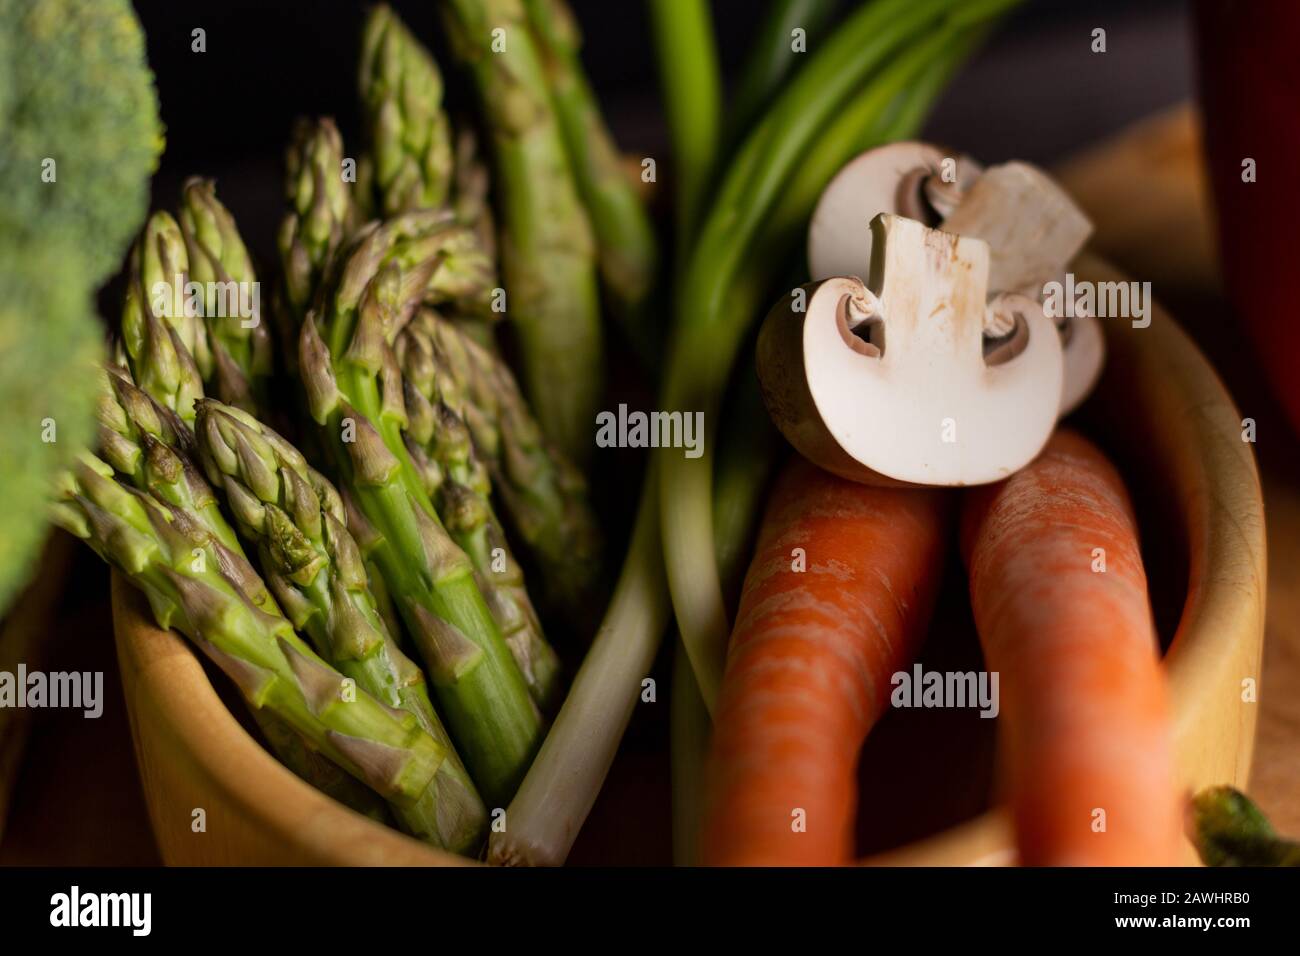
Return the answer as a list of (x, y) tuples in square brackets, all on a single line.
[(49, 343), (75, 89)]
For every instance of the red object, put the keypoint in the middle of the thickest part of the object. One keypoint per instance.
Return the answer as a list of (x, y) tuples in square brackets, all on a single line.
[(1249, 55)]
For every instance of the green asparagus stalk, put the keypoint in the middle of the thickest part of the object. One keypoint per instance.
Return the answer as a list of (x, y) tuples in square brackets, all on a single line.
[(329, 778), (181, 567), (232, 312), (408, 137), (544, 495), (460, 489), (547, 250), (1229, 830), (625, 239), (163, 341), (316, 569), (149, 444), (355, 391), (322, 214), (367, 539)]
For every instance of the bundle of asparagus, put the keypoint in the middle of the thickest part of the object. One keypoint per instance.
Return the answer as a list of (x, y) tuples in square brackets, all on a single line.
[(193, 583)]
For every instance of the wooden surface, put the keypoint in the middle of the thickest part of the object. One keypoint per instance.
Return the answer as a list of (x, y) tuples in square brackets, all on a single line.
[(78, 798)]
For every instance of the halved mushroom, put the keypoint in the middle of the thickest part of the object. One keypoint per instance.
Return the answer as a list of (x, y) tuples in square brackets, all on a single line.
[(1033, 229), (891, 382)]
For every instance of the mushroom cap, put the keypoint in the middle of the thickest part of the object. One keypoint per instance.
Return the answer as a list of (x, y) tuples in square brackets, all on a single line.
[(927, 410), (883, 179), (1085, 353), (1031, 224)]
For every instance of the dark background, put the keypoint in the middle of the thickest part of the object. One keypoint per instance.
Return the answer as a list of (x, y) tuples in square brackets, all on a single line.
[(1035, 92)]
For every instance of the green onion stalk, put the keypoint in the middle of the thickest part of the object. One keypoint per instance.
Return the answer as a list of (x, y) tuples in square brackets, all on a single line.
[(772, 57), (692, 89), (749, 450), (903, 37)]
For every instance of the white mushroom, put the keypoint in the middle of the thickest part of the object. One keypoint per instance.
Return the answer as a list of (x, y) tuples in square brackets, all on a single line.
[(900, 178), (1031, 225), (893, 382), (1085, 353)]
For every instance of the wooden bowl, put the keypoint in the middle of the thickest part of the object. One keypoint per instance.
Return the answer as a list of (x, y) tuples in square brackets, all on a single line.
[(1160, 408)]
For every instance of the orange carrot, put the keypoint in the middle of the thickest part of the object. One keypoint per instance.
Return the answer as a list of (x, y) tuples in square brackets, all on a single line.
[(810, 663), (1060, 601)]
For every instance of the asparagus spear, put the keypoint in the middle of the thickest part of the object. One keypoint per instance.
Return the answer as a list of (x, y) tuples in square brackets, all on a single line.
[(181, 567), (149, 446), (625, 239), (440, 262), (329, 778), (470, 196), (315, 568), (322, 213), (543, 493), (355, 392), (458, 485), (408, 136), (547, 252), (231, 309), (411, 163), (163, 341)]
